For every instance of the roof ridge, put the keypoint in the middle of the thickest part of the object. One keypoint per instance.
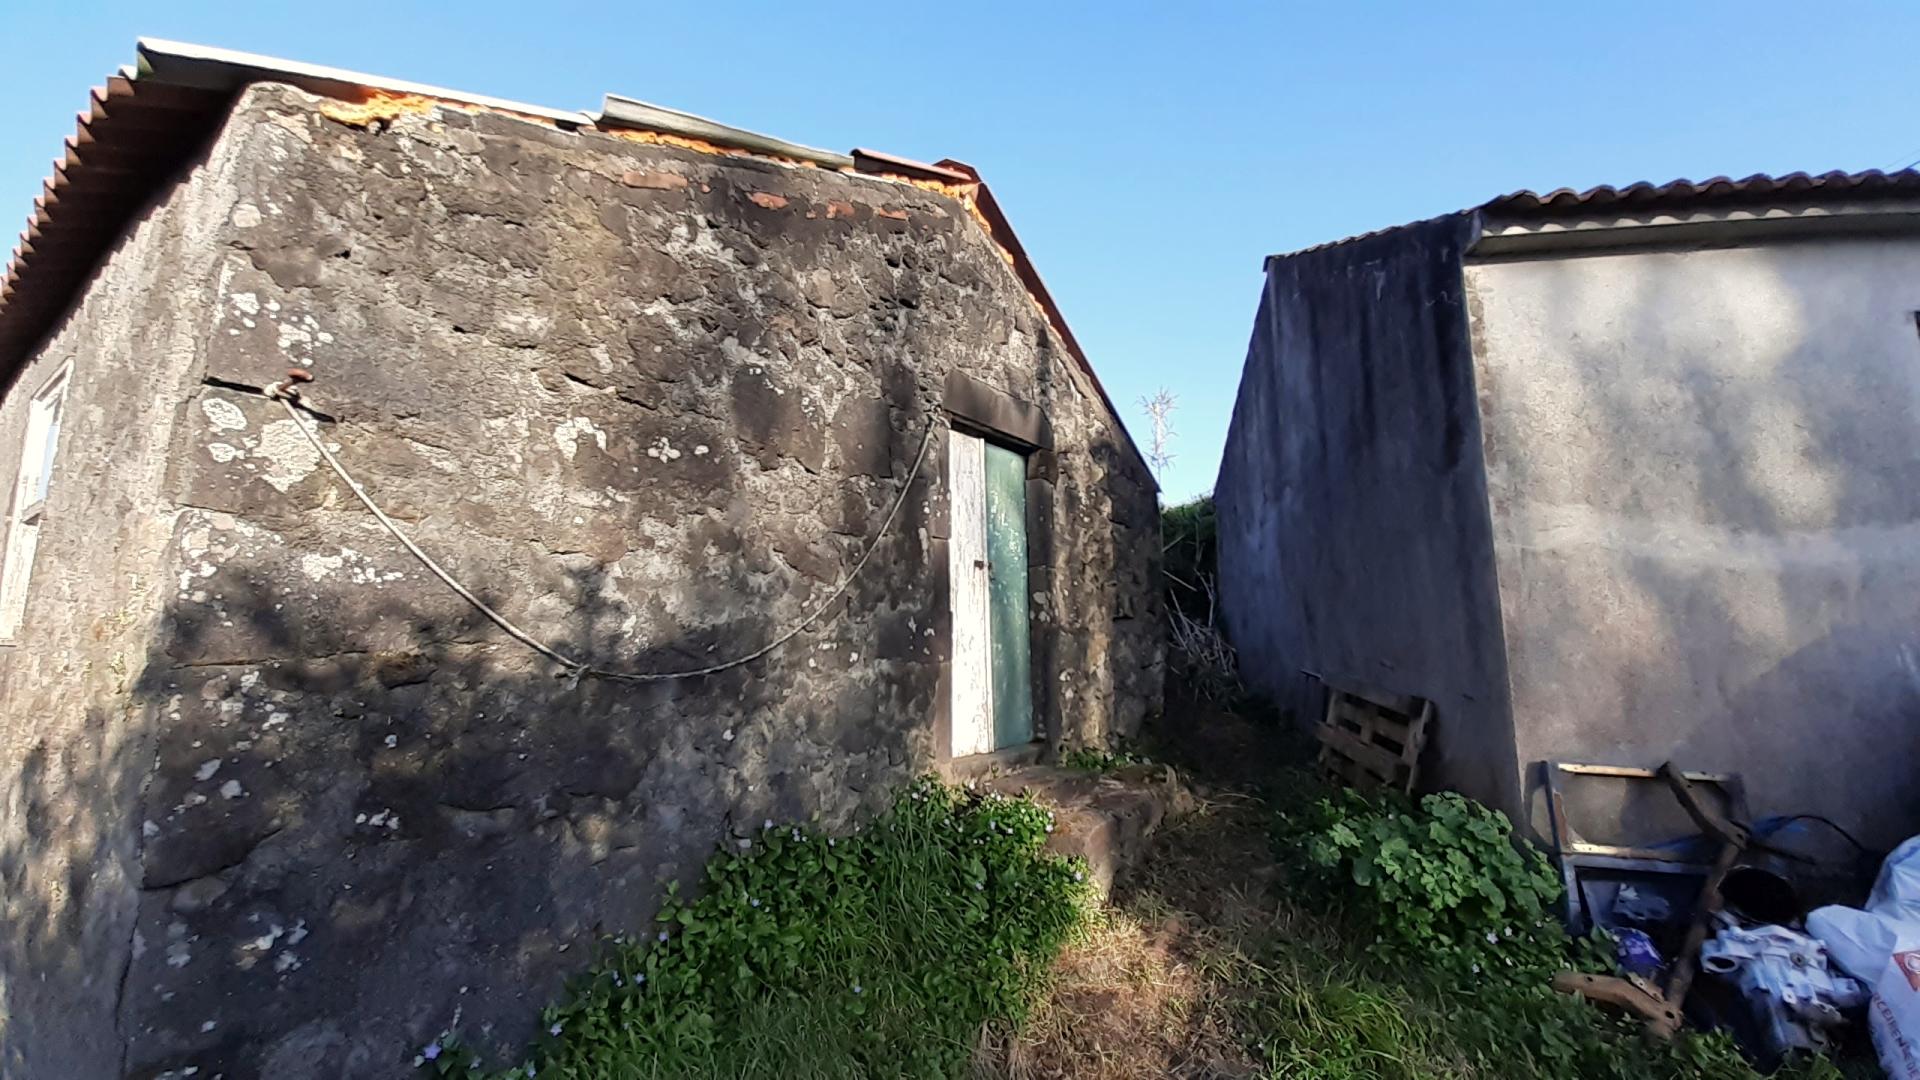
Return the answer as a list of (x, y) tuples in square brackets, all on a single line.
[(112, 162)]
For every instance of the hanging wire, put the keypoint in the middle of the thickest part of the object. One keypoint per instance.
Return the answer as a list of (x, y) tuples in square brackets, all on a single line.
[(288, 397)]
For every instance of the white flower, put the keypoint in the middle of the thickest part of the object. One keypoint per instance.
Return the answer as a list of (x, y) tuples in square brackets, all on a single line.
[(1078, 876), (830, 841), (767, 824), (431, 1051), (1476, 969), (1493, 938), (554, 1030), (751, 902), (663, 935), (856, 988)]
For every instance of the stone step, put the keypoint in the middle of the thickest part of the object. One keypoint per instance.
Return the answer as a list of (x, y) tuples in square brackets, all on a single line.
[(1105, 818)]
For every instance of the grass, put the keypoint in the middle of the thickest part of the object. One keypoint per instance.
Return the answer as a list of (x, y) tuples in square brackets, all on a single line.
[(1206, 966), (884, 953), (1216, 959), (942, 941)]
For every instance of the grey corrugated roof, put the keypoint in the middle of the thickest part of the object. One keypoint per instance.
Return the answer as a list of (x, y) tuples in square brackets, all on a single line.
[(1760, 189), (1720, 190)]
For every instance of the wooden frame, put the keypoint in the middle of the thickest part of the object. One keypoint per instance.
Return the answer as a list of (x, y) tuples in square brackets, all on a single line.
[(1578, 856), (1371, 739)]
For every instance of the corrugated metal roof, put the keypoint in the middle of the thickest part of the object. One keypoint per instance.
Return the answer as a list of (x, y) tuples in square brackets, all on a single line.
[(1360, 237), (1756, 188), (1521, 208), (152, 118), (181, 64)]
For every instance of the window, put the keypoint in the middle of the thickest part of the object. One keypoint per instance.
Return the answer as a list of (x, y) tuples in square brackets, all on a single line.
[(30, 489)]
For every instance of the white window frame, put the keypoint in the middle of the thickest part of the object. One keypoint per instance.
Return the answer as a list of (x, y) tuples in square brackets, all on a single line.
[(39, 450)]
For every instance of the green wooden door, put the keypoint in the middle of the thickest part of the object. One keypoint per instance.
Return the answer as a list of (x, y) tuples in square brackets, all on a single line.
[(1006, 492)]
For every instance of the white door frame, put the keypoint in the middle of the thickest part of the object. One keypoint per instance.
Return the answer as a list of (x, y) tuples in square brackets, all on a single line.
[(971, 663)]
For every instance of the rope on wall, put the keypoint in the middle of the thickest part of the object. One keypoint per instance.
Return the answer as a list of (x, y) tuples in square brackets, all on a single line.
[(576, 670)]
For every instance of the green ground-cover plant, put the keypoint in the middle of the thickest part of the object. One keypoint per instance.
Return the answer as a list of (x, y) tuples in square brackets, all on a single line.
[(1440, 882), (882, 953), (1450, 928)]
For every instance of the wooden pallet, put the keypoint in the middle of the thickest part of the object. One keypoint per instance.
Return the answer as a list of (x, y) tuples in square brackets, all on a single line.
[(1371, 739)]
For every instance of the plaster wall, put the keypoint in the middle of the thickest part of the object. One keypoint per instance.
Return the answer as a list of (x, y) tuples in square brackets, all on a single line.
[(1704, 474), (1353, 526)]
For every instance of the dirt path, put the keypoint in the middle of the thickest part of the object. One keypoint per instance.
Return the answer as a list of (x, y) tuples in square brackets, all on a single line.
[(1151, 992)]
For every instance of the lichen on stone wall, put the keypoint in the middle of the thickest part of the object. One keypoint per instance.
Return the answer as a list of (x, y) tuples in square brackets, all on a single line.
[(653, 403)]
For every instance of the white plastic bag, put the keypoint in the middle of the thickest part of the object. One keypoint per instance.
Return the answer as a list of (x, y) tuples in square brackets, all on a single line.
[(1880, 946)]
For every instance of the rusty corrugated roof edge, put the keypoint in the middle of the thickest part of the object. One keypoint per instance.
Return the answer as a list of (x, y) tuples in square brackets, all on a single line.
[(617, 111), (204, 67)]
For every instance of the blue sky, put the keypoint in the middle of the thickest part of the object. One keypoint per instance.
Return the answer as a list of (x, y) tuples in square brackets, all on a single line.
[(1149, 154)]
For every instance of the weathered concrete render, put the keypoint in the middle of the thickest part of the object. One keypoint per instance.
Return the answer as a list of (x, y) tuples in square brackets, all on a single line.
[(1352, 505), (1622, 505), (649, 401), (1704, 471)]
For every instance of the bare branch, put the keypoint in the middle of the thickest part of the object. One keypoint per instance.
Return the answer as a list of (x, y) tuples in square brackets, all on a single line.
[(1159, 409)]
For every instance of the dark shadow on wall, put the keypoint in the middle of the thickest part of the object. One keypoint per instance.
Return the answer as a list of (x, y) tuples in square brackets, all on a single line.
[(64, 935), (1721, 568), (1352, 520), (69, 826), (341, 852), (355, 810), (1136, 615)]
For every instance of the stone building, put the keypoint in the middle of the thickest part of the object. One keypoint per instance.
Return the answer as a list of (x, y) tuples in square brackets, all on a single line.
[(1615, 476), (278, 801)]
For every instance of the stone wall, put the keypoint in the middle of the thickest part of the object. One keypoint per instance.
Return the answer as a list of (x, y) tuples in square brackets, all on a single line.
[(652, 403), (78, 697)]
